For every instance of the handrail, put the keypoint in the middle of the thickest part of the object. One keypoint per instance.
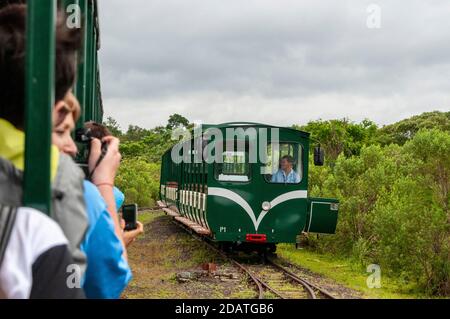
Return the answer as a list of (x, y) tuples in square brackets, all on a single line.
[(40, 91), (80, 87), (40, 88)]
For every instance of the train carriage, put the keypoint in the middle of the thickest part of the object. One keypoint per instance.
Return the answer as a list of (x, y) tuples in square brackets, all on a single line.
[(237, 200)]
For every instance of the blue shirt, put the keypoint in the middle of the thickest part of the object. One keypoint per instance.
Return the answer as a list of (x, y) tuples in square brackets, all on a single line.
[(281, 178), (119, 197), (107, 273)]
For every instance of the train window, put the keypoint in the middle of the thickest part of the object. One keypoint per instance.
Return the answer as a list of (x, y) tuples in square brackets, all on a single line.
[(284, 163), (235, 167)]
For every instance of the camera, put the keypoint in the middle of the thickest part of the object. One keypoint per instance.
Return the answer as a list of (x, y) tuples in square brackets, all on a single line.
[(84, 137)]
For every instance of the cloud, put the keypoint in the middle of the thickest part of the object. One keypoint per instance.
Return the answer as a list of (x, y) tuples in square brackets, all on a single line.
[(280, 62)]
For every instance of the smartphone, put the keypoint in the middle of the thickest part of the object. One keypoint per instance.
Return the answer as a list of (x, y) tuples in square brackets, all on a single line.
[(129, 215)]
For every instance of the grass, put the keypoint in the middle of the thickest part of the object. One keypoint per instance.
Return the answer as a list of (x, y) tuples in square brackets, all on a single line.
[(347, 273), (244, 293), (147, 217)]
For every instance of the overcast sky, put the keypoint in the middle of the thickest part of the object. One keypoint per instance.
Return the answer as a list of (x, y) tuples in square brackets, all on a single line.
[(280, 62)]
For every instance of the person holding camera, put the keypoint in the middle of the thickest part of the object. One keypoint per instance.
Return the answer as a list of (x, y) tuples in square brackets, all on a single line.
[(101, 132), (108, 272)]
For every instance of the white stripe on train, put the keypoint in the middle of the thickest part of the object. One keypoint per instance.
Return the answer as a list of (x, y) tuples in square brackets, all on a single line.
[(226, 193)]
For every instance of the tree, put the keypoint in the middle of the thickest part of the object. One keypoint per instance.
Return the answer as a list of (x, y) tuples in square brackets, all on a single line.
[(405, 130), (135, 133), (177, 121), (413, 219), (113, 127), (341, 136), (394, 208)]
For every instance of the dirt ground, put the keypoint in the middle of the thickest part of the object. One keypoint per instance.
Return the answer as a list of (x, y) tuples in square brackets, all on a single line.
[(169, 263)]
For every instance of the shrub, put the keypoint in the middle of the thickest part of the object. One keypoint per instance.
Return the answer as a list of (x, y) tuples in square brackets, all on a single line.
[(139, 180), (394, 208)]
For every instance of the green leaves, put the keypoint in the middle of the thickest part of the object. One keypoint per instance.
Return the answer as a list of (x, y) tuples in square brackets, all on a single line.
[(139, 180), (341, 136), (403, 131), (394, 207), (142, 150)]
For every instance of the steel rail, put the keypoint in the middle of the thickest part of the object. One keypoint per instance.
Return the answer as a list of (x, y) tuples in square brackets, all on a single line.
[(260, 283), (303, 281), (244, 269)]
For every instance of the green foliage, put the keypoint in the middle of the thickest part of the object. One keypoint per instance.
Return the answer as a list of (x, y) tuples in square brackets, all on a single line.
[(142, 150), (150, 148), (135, 134), (412, 235), (177, 121), (139, 180), (403, 131), (394, 208), (341, 136), (113, 127)]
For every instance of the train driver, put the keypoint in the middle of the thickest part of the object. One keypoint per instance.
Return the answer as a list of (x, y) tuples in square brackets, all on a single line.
[(286, 174)]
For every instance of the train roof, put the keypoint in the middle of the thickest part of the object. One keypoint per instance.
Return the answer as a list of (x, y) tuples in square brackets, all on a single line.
[(249, 124), (253, 124)]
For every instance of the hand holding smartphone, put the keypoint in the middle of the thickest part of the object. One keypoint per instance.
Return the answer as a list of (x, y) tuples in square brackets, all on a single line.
[(129, 215)]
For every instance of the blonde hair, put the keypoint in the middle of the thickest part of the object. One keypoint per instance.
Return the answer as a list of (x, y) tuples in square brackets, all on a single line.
[(72, 106)]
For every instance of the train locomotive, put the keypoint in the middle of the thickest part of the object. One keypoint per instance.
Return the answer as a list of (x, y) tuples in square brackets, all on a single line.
[(236, 201)]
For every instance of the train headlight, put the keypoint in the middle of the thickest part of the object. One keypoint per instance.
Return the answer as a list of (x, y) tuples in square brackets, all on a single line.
[(266, 206), (334, 206)]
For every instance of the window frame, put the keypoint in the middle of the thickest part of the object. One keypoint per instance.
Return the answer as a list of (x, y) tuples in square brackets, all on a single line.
[(248, 165), (299, 162)]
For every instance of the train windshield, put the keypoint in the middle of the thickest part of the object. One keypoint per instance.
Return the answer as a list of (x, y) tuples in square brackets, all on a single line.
[(235, 167), (284, 163)]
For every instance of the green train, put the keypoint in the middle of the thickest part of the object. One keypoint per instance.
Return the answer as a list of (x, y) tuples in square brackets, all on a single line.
[(245, 185)]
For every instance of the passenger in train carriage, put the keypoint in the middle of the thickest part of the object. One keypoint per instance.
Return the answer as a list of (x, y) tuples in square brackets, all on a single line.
[(68, 208), (286, 174), (108, 272), (100, 132), (34, 253)]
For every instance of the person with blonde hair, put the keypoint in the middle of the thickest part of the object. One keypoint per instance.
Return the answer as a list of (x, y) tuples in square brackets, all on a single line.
[(105, 243)]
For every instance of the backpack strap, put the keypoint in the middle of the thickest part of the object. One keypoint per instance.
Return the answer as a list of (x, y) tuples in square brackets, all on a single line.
[(7, 219)]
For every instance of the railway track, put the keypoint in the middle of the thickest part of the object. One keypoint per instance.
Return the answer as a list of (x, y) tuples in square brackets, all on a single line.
[(278, 283), (318, 291), (270, 276)]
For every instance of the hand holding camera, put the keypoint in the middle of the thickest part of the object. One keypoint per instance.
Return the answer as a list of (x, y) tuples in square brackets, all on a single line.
[(104, 160), (100, 159)]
